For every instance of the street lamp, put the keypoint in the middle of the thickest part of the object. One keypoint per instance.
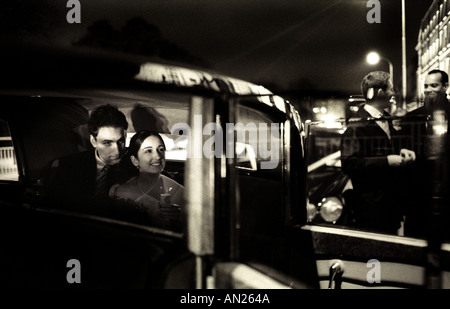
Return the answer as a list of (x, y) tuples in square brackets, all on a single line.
[(373, 58), (404, 84)]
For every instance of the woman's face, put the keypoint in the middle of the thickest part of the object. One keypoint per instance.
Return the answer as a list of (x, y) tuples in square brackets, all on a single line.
[(151, 156)]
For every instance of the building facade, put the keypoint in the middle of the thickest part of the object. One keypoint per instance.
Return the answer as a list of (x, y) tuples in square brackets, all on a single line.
[(433, 46)]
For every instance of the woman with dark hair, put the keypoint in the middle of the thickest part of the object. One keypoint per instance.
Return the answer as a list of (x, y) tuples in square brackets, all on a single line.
[(153, 193)]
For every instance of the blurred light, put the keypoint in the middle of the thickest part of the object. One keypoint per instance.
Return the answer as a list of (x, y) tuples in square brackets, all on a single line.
[(439, 129), (315, 110), (323, 109), (373, 58), (330, 125), (439, 123), (311, 211), (330, 118)]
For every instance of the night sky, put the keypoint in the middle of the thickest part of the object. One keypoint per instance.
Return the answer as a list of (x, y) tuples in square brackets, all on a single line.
[(284, 44)]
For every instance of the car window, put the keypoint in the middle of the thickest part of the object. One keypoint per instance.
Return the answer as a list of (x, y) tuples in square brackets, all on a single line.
[(8, 162), (260, 189), (258, 141), (325, 177), (351, 184), (56, 127)]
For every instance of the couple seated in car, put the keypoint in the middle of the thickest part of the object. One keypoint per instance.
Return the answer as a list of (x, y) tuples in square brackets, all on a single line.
[(111, 180)]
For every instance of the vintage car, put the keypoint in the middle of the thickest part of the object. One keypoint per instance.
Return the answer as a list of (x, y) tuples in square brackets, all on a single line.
[(266, 203), (235, 147)]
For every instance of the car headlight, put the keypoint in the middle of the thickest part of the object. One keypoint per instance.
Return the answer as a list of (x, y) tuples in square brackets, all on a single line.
[(311, 211), (330, 209)]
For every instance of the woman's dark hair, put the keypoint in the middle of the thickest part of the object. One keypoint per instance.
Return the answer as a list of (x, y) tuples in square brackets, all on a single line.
[(137, 140)]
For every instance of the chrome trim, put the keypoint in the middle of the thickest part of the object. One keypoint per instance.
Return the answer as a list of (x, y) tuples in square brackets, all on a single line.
[(368, 235)]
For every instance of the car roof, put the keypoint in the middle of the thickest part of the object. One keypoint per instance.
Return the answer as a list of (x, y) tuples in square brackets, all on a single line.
[(43, 70), (40, 64)]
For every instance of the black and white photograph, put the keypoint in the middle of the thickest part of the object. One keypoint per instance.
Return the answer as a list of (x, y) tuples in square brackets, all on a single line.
[(225, 150)]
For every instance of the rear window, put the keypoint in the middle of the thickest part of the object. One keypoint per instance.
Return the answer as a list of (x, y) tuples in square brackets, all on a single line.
[(48, 131)]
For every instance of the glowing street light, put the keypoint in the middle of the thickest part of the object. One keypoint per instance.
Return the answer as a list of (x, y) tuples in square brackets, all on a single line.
[(374, 58)]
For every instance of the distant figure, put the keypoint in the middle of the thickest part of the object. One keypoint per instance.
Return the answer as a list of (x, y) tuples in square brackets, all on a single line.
[(417, 127), (435, 94), (156, 195), (368, 156)]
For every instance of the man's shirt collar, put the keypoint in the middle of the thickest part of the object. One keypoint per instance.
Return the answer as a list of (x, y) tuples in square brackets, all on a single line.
[(375, 113), (100, 162)]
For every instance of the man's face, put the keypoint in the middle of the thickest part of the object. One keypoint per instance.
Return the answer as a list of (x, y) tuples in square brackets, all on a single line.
[(433, 85), (110, 144), (388, 96), (390, 91)]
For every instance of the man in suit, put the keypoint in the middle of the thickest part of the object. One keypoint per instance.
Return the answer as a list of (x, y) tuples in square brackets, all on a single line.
[(370, 159), (435, 89), (419, 126)]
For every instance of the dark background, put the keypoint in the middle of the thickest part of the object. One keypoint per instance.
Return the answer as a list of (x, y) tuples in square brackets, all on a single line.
[(286, 45)]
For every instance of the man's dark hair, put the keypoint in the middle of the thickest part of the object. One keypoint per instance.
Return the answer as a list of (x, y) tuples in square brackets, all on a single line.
[(444, 75), (376, 80), (106, 116)]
